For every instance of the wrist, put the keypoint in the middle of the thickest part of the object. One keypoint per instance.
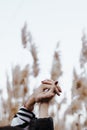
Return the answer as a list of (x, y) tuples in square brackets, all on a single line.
[(29, 105)]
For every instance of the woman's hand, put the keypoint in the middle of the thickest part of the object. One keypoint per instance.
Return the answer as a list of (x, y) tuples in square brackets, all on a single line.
[(44, 93), (47, 91)]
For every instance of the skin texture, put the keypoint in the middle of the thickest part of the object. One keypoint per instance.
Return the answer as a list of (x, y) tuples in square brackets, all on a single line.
[(43, 94)]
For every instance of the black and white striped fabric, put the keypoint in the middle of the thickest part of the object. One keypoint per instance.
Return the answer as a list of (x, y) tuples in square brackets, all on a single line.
[(22, 118)]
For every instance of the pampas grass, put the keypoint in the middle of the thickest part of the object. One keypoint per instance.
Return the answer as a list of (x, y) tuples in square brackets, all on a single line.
[(18, 89)]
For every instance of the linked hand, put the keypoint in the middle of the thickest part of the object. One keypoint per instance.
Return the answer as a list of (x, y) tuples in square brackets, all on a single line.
[(44, 93), (47, 91)]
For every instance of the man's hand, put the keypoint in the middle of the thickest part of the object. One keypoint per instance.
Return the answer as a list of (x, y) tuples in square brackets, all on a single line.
[(44, 93)]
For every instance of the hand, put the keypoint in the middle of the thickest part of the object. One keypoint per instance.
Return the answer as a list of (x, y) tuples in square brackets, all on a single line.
[(44, 93), (47, 91), (55, 87)]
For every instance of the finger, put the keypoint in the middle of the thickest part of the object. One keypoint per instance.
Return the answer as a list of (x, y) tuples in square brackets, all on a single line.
[(56, 82), (46, 96), (59, 88), (47, 81), (57, 91), (45, 86)]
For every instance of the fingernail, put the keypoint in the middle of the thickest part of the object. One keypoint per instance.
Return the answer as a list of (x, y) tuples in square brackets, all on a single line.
[(60, 90), (56, 82), (58, 94)]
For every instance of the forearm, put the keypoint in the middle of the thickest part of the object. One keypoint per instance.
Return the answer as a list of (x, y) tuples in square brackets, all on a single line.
[(25, 114), (43, 110), (29, 104)]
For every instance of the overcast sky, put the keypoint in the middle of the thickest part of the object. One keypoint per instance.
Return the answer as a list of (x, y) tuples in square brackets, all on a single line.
[(49, 21)]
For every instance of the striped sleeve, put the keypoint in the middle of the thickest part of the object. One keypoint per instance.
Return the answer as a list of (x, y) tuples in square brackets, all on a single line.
[(22, 118)]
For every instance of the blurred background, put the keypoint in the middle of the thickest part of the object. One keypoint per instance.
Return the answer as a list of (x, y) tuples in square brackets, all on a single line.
[(41, 40)]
